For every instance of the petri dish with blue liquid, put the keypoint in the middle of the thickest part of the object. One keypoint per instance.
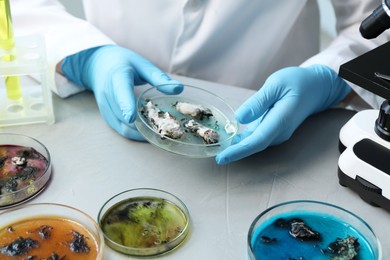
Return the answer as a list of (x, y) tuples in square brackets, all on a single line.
[(311, 230)]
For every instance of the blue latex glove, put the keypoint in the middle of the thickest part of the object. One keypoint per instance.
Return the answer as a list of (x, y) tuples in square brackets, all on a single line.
[(111, 72), (286, 99)]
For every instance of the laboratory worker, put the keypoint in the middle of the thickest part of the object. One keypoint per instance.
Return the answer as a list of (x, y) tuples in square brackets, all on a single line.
[(266, 45)]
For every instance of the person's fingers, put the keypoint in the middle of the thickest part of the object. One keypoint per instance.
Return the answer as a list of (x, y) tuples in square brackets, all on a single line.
[(156, 77), (259, 103), (122, 94), (130, 132), (251, 144), (257, 136), (165, 84), (249, 129), (125, 129)]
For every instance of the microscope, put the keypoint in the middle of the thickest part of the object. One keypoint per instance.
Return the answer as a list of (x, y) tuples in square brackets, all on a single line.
[(364, 141)]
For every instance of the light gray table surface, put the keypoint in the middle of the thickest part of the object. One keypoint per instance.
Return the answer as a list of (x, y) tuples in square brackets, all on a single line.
[(91, 163)]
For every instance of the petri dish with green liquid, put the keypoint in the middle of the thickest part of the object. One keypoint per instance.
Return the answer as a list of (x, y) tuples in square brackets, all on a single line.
[(144, 222)]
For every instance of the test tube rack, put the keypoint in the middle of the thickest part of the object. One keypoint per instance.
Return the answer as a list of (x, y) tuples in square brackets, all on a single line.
[(29, 64)]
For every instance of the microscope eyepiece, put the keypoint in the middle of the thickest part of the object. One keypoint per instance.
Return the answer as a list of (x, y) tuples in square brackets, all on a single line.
[(377, 22)]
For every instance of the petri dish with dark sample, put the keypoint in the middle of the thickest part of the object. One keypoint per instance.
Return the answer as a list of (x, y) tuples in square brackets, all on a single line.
[(195, 123), (311, 230), (25, 169), (144, 222), (49, 231)]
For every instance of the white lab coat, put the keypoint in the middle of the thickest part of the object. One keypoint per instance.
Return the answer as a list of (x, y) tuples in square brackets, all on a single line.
[(235, 42)]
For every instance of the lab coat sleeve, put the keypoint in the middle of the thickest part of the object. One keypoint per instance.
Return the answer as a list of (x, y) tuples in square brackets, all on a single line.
[(64, 35), (349, 43)]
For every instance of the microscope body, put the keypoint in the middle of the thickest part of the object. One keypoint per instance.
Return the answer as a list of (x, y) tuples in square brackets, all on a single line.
[(364, 162), (364, 141)]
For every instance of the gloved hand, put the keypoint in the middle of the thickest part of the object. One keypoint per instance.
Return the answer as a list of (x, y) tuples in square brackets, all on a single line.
[(111, 72), (286, 99)]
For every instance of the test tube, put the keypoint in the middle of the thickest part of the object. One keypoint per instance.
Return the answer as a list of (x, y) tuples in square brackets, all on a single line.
[(7, 43)]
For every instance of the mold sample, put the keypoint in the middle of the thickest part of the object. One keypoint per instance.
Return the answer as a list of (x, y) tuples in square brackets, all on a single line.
[(144, 226), (344, 248), (47, 238), (307, 235), (163, 122), (298, 229), (208, 135), (19, 247), (195, 111), (207, 111), (20, 168)]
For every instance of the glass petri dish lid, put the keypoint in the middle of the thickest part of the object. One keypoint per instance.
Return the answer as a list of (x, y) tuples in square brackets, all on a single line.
[(144, 222), (49, 231), (195, 123), (307, 229), (25, 169)]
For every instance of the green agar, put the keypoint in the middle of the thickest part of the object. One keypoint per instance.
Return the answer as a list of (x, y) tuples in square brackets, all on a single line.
[(144, 223)]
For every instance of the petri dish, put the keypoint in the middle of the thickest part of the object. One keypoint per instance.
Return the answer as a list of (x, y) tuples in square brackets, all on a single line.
[(144, 222), (49, 231), (311, 230), (25, 169), (205, 120)]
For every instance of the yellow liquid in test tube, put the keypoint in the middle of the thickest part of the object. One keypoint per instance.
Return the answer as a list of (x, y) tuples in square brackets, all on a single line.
[(7, 42)]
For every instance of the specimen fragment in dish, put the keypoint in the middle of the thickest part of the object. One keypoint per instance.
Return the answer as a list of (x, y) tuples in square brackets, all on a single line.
[(148, 223), (208, 135), (163, 122), (20, 167), (344, 248), (47, 237), (196, 111), (299, 229)]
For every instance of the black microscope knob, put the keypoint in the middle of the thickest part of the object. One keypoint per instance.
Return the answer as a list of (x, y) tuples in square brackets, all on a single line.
[(382, 124)]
